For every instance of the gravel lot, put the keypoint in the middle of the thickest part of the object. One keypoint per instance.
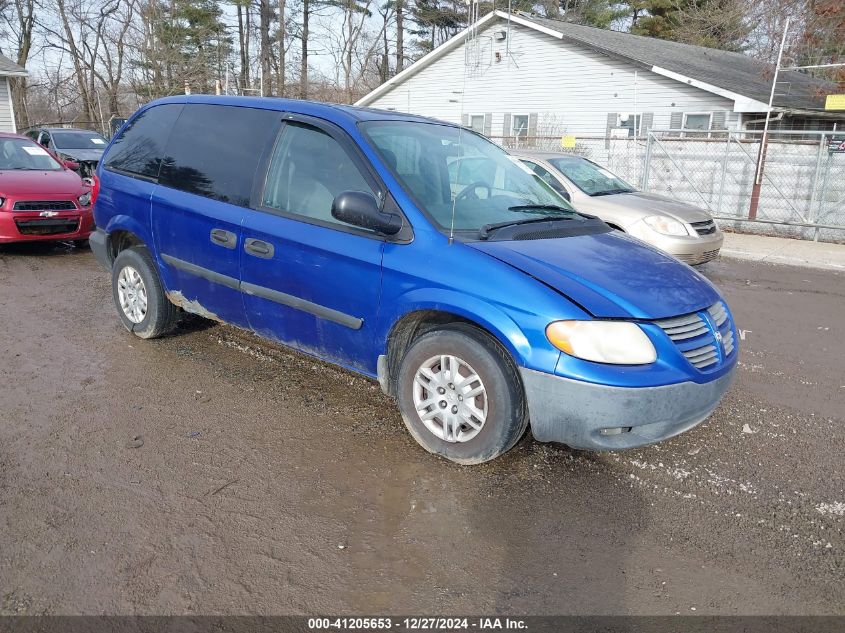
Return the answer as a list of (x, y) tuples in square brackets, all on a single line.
[(268, 482)]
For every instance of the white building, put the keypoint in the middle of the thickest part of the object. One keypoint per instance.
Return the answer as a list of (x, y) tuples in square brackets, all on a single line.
[(521, 75), (8, 68)]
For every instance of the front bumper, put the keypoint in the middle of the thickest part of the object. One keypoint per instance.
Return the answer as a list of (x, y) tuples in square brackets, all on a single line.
[(31, 226), (691, 250), (574, 412)]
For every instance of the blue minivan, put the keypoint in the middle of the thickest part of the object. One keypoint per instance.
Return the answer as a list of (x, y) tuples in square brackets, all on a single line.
[(344, 233)]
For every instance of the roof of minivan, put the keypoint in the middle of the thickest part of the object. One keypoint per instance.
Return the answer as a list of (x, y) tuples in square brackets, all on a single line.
[(301, 106)]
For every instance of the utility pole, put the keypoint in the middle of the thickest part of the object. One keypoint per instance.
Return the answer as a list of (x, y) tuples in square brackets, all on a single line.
[(764, 141)]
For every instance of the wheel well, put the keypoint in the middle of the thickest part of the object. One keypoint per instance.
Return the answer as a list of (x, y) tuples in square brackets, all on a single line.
[(121, 240), (413, 325)]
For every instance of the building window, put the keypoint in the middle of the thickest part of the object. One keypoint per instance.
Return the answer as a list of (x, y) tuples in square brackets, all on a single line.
[(476, 123), (520, 125), (697, 122), (632, 123)]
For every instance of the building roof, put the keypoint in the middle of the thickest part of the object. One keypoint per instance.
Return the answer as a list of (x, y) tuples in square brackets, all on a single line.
[(735, 72), (743, 79), (8, 67)]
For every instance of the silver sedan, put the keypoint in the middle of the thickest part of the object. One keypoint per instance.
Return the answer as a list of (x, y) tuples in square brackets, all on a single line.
[(680, 229)]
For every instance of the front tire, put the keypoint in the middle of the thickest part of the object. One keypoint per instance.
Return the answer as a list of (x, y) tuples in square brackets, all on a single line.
[(139, 296), (460, 395)]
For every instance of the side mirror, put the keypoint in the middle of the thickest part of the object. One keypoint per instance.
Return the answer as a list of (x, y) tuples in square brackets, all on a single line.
[(72, 165), (361, 209)]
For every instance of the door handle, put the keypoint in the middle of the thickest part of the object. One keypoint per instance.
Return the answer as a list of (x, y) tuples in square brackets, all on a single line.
[(259, 248), (225, 238)]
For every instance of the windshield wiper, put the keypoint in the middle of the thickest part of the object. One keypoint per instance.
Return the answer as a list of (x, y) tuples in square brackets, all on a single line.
[(610, 192), (485, 231), (540, 207)]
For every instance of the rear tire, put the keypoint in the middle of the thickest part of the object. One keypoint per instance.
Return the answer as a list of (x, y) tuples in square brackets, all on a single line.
[(438, 370), (139, 296)]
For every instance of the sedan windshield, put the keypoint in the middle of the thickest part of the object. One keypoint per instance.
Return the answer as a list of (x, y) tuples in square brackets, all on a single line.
[(460, 179), (23, 154), (79, 140), (589, 177)]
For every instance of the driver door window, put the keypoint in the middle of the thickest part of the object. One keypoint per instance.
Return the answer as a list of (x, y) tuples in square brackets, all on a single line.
[(307, 171)]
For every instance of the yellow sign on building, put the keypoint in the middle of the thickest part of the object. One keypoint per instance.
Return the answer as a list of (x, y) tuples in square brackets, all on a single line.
[(835, 102)]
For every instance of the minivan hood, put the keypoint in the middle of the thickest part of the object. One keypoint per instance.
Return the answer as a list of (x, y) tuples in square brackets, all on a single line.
[(58, 182), (651, 204), (611, 275)]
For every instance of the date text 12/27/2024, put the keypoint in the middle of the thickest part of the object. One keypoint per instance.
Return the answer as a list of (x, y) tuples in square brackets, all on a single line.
[(416, 624)]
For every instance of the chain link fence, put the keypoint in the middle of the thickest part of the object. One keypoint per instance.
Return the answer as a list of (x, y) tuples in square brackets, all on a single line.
[(802, 184)]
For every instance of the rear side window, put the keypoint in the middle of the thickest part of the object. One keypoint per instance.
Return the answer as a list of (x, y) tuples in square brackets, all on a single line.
[(214, 151), (140, 148)]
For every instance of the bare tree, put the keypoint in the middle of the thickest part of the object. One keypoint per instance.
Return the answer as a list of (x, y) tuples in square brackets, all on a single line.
[(280, 44), (19, 18)]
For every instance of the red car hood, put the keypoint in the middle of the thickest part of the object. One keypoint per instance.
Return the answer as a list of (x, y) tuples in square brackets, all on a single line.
[(43, 183)]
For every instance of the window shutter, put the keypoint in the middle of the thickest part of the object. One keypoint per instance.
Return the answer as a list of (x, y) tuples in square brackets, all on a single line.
[(506, 125), (612, 120), (532, 124), (488, 124), (719, 120), (465, 120), (646, 122), (676, 121)]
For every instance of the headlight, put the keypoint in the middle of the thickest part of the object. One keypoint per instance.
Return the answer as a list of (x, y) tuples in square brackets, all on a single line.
[(85, 199), (665, 225), (615, 342)]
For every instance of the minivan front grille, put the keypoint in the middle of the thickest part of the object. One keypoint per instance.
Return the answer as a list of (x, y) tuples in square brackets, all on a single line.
[(44, 205), (707, 227), (700, 335)]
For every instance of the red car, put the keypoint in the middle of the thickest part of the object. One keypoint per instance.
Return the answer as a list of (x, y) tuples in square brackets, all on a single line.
[(41, 198)]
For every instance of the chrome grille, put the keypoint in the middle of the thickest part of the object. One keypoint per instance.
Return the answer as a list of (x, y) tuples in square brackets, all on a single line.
[(702, 357), (680, 328), (696, 341), (718, 313), (708, 227), (728, 342)]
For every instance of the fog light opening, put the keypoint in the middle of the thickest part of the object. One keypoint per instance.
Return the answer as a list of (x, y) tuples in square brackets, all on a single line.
[(615, 430)]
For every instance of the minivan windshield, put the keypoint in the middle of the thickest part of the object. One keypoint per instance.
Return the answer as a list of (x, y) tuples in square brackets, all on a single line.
[(444, 167), (589, 177), (79, 140), (23, 154)]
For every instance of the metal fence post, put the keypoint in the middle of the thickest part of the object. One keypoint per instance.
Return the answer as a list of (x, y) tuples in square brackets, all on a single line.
[(813, 215), (724, 172), (823, 200), (646, 162)]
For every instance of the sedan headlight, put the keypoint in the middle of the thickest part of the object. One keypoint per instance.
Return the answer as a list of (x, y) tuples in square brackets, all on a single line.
[(665, 225), (85, 199), (614, 342)]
